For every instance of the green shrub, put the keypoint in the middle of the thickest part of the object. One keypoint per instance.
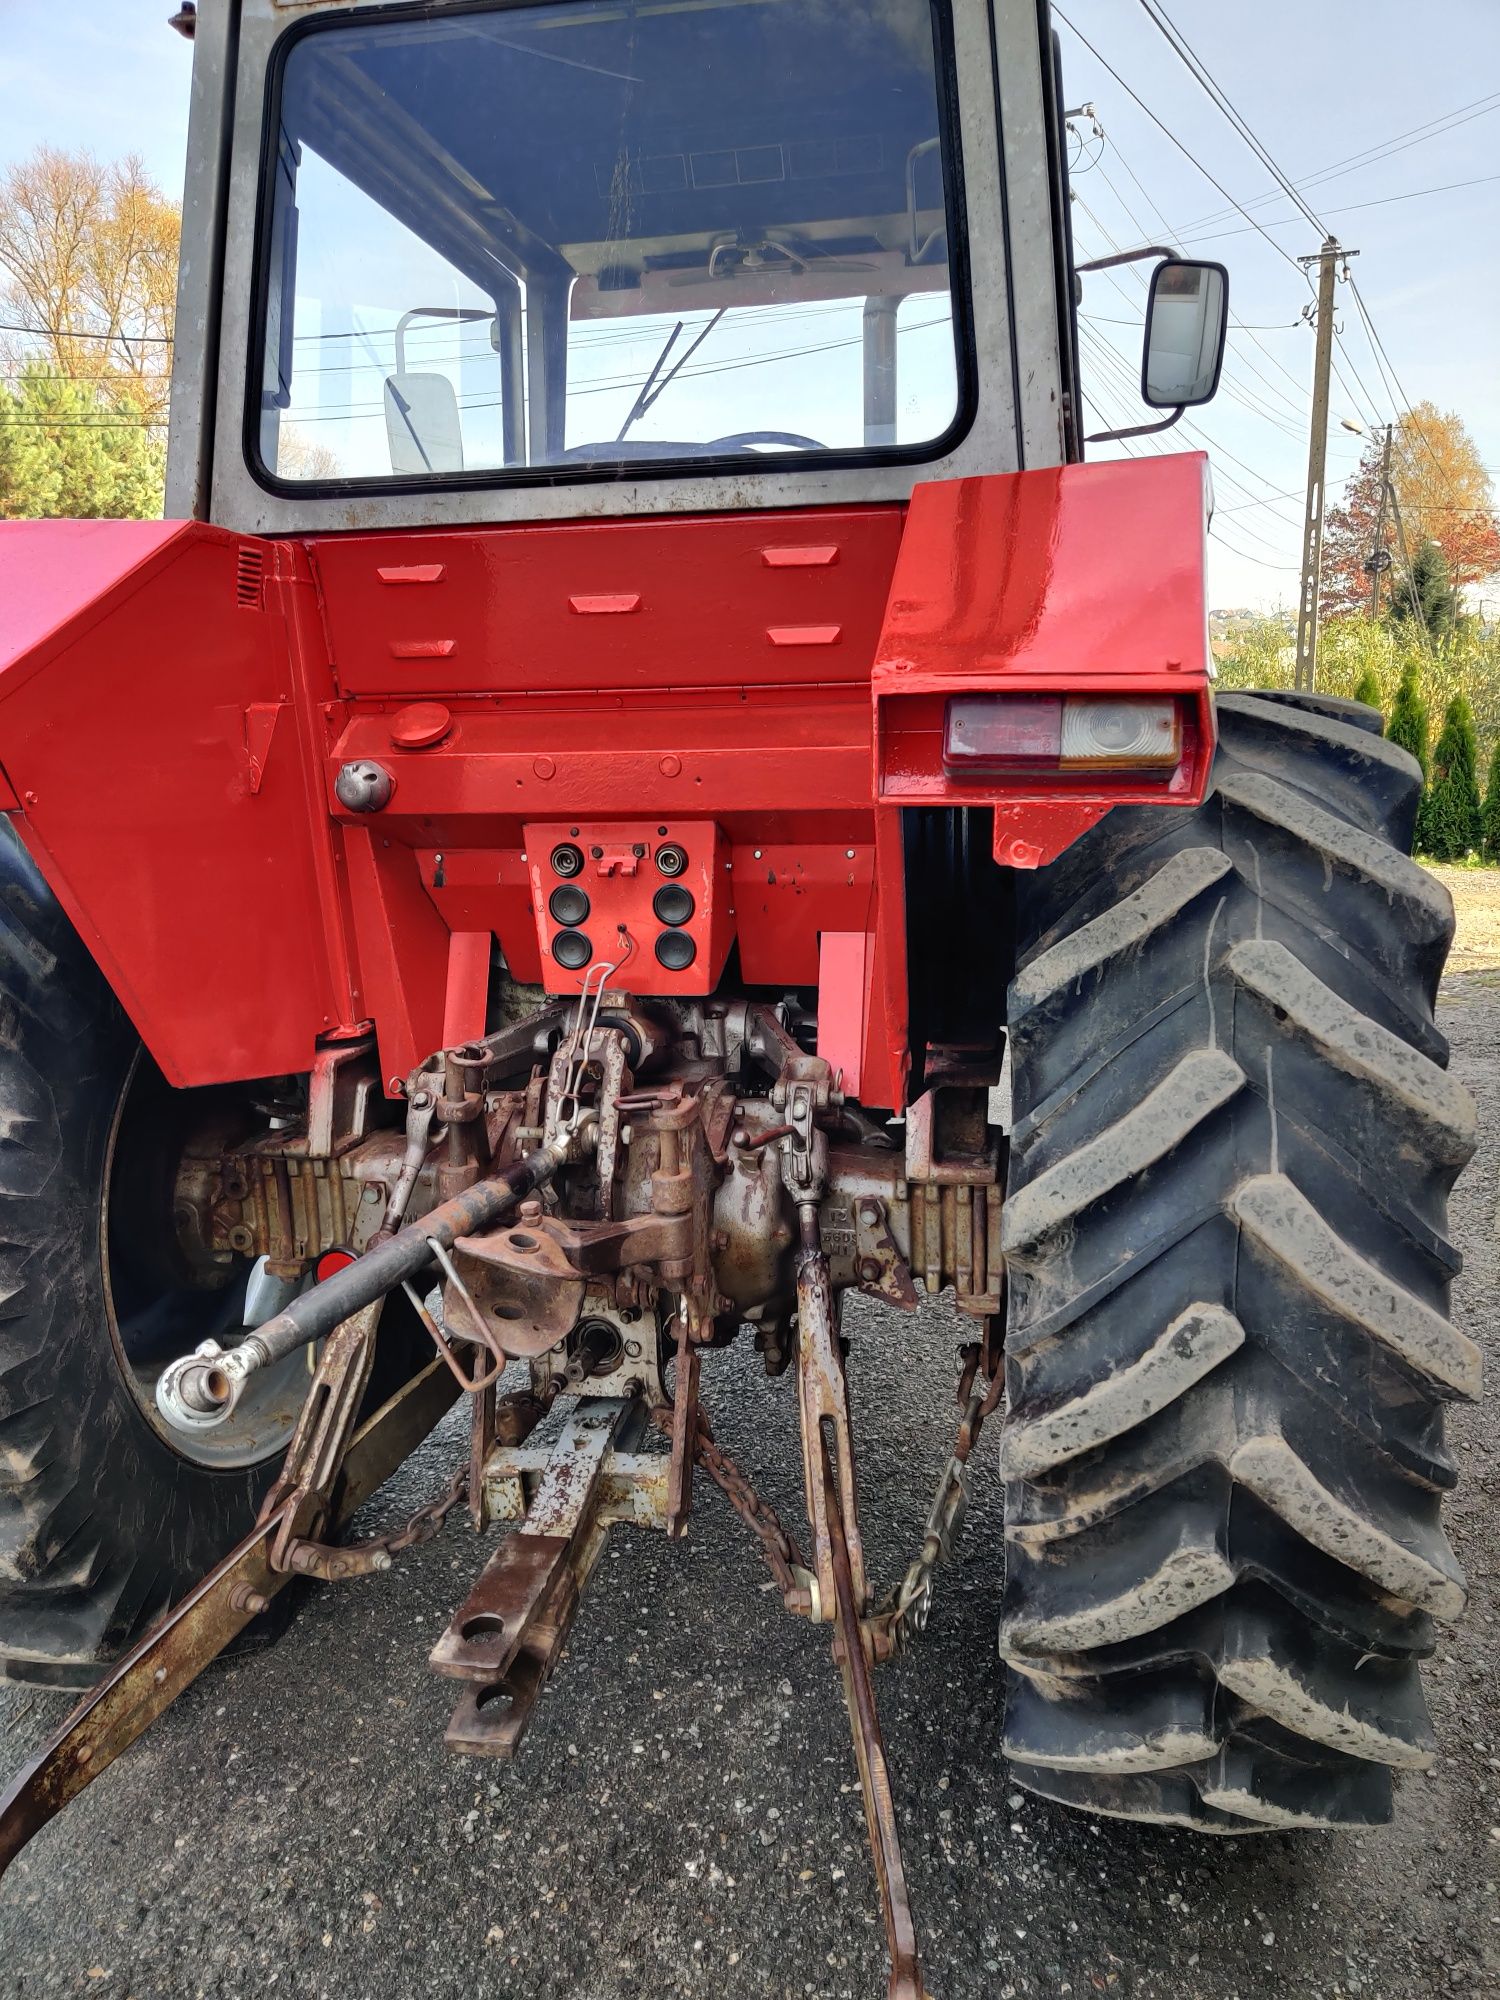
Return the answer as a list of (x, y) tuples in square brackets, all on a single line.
[(1408, 718), (1450, 824), (1367, 689), (1490, 844)]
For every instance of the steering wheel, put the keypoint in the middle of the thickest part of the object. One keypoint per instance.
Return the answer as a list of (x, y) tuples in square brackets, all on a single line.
[(742, 440)]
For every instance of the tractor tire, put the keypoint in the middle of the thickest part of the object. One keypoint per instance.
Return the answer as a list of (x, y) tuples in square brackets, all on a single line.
[(1228, 1346), (103, 1522)]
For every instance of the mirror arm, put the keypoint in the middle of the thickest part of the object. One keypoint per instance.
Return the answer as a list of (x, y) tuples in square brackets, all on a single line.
[(1127, 257), (1137, 430), (466, 314)]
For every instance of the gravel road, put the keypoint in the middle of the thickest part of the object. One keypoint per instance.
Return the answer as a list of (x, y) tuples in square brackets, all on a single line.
[(685, 1818)]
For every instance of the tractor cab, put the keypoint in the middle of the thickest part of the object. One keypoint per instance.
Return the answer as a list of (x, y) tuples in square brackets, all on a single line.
[(480, 261)]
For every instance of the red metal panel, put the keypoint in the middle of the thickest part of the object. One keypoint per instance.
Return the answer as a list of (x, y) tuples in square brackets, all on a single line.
[(1075, 579), (485, 889), (403, 948), (843, 999), (58, 577), (171, 823), (622, 880), (767, 750), (467, 1000), (886, 1060), (172, 725), (786, 893), (687, 601)]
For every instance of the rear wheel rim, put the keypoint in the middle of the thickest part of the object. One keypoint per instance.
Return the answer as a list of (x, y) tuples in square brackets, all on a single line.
[(152, 1323)]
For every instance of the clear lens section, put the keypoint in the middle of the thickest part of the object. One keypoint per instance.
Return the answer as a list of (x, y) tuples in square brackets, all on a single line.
[(989, 735), (1132, 735)]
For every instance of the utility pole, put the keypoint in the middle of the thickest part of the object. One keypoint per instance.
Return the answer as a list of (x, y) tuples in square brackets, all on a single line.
[(1328, 258), (1379, 555)]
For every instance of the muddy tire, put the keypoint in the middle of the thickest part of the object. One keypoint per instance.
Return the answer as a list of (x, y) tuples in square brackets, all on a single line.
[(103, 1524), (1229, 1347)]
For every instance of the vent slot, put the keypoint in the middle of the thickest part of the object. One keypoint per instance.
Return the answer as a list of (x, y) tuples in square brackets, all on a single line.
[(250, 580)]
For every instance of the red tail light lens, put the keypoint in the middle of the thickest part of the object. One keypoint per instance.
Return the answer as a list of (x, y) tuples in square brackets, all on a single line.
[(1005, 735)]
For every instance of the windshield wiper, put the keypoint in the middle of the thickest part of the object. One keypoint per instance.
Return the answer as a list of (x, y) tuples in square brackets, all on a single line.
[(652, 388)]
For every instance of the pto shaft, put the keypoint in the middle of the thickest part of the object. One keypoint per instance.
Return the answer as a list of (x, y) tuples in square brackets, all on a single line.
[(201, 1390)]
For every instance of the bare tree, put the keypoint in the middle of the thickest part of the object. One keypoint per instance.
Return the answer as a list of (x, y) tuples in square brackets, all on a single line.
[(88, 275)]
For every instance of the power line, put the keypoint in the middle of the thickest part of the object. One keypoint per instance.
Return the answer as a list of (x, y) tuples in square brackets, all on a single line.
[(1385, 363), (65, 333), (1292, 493), (1297, 409), (356, 412), (1350, 208), (1184, 51), (1099, 319), (1123, 380), (1435, 128), (1157, 14), (1286, 569), (1170, 134)]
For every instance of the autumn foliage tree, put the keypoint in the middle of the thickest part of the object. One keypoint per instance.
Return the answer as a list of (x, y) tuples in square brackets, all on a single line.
[(88, 284), (1444, 496)]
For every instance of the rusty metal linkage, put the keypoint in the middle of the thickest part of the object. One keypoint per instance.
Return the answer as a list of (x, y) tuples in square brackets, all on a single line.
[(204, 1387), (505, 1638), (177, 1649), (301, 1499), (598, 1188), (793, 1578), (684, 1429), (849, 1646)]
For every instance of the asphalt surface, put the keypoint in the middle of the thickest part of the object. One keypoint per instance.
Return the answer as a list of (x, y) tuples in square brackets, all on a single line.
[(685, 1818)]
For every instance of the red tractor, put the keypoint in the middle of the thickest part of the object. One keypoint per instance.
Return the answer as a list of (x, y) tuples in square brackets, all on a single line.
[(542, 868)]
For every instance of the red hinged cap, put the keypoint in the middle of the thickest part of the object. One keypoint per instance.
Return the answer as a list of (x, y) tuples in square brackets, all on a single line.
[(420, 725)]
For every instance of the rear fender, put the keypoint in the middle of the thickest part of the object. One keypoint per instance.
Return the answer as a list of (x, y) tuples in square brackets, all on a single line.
[(158, 757), (1070, 580)]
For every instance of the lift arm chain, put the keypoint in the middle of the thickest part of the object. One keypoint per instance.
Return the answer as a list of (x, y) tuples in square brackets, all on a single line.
[(904, 1615), (783, 1558), (905, 1612)]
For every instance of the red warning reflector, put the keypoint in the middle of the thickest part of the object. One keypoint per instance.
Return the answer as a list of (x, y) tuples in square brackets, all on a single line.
[(332, 1262)]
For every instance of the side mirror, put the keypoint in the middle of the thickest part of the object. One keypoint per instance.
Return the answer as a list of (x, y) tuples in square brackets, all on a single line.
[(423, 425), (1187, 326)]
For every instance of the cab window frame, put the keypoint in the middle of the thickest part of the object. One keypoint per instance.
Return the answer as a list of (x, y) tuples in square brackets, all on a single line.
[(581, 472)]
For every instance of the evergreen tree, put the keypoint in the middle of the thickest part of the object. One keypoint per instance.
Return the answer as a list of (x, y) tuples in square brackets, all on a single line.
[(68, 452), (1428, 597), (1407, 727), (1408, 720), (1453, 821), (1367, 689), (1490, 847)]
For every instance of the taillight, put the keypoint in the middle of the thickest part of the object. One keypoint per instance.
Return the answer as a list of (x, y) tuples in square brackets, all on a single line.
[(1010, 735)]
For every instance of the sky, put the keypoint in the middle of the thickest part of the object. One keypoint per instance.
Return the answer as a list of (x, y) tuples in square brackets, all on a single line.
[(1319, 84)]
